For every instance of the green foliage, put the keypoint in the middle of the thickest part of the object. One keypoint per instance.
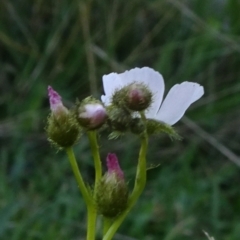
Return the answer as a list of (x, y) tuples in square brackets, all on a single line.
[(70, 45)]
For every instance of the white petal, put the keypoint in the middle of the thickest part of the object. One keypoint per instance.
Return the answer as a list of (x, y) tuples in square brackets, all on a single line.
[(111, 83), (152, 79), (179, 98), (105, 100)]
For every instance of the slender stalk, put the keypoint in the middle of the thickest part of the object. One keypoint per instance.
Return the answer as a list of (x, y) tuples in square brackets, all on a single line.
[(106, 225), (140, 182), (92, 136), (91, 222), (83, 189), (91, 211)]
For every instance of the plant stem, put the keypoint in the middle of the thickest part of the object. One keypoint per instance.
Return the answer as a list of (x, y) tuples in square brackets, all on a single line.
[(106, 225), (91, 222), (85, 193), (91, 211), (139, 185), (92, 136)]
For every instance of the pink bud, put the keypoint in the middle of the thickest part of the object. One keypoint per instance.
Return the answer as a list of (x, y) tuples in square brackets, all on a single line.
[(138, 97), (113, 166), (111, 194), (56, 102), (92, 115)]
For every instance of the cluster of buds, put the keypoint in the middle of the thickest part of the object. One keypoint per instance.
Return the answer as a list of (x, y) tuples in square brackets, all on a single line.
[(126, 95), (141, 90), (134, 97), (133, 102), (65, 126)]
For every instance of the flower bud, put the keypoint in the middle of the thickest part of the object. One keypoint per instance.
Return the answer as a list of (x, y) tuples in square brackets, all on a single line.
[(135, 96), (56, 105), (112, 193), (119, 118), (62, 128), (91, 114), (137, 126)]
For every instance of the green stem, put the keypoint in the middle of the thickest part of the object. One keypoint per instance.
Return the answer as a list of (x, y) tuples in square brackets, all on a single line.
[(106, 225), (91, 222), (86, 195), (140, 182), (91, 211), (92, 136), (92, 214)]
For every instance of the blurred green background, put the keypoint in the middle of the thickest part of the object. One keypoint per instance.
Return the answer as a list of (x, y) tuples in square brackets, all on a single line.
[(70, 45)]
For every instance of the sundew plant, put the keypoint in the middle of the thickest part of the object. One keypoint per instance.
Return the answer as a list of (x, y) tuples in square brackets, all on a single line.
[(133, 103)]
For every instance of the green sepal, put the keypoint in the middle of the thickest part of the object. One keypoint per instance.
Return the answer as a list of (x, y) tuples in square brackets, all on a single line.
[(111, 196), (156, 127), (115, 135), (63, 131)]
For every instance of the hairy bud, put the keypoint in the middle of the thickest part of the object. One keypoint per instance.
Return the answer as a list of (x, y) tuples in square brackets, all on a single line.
[(62, 128), (91, 114), (112, 193), (135, 97), (119, 118)]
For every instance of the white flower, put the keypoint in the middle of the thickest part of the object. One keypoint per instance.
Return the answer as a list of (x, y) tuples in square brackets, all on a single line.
[(169, 111)]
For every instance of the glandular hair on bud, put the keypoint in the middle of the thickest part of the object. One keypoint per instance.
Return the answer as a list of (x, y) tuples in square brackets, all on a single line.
[(119, 119), (63, 131), (111, 197)]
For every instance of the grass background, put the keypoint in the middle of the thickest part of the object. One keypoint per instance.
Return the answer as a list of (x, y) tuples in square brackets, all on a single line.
[(70, 45)]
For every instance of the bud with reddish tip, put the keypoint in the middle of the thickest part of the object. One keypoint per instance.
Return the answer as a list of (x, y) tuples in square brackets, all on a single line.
[(55, 101), (113, 167), (62, 128), (135, 96), (111, 194), (91, 114)]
